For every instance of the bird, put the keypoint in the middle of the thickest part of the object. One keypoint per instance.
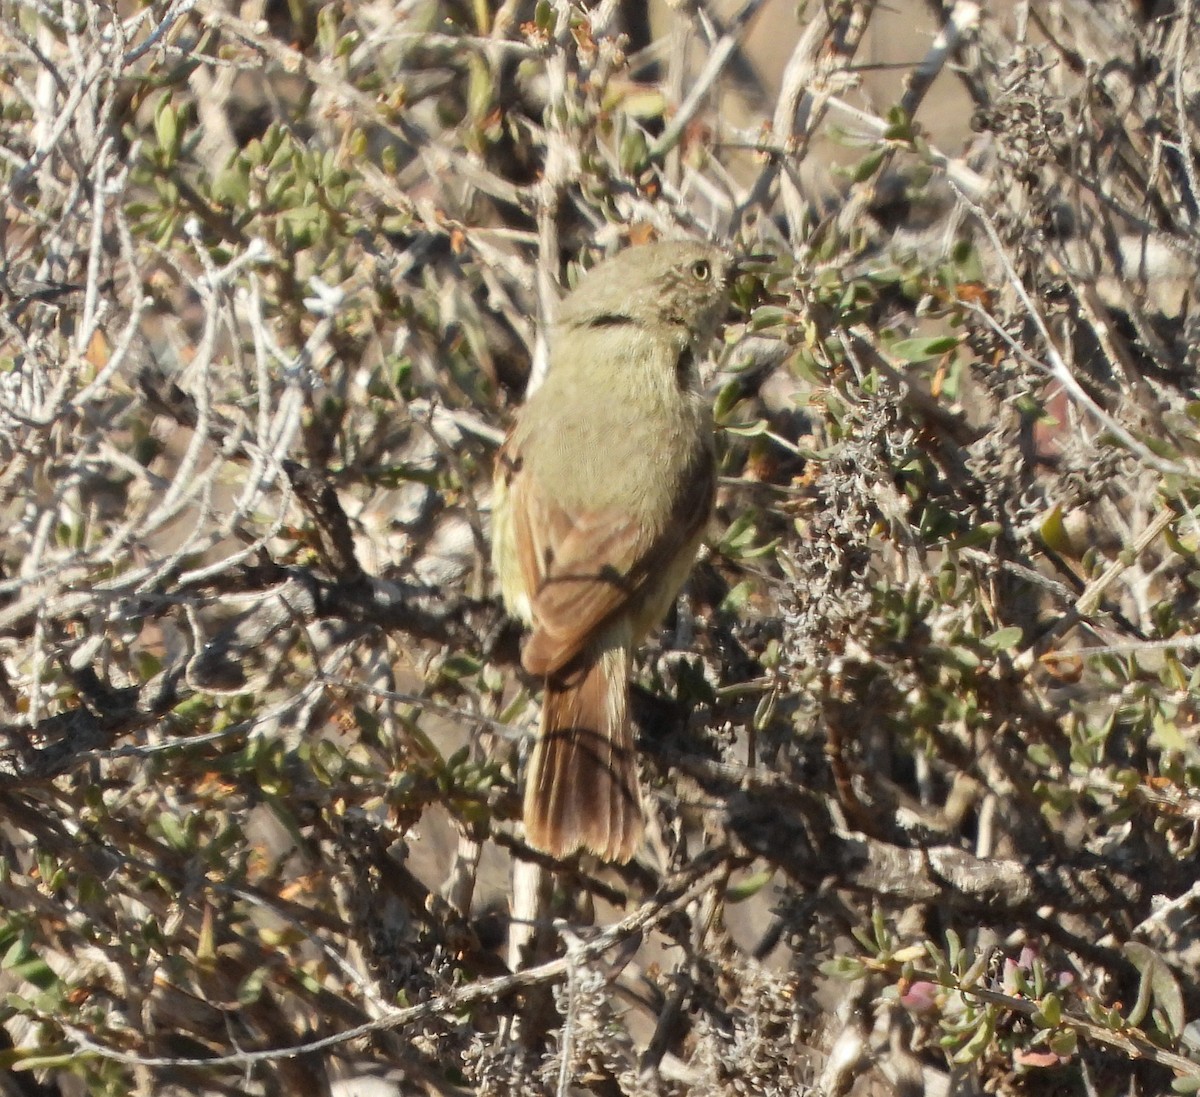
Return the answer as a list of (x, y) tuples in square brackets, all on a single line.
[(603, 488)]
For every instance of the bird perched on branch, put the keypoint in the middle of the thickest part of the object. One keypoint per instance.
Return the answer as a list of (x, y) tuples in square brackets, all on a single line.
[(602, 492)]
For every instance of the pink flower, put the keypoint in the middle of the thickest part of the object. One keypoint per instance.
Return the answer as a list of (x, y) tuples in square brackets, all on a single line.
[(921, 996)]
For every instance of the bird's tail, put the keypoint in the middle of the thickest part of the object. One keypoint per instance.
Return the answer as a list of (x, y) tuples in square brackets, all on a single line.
[(582, 791)]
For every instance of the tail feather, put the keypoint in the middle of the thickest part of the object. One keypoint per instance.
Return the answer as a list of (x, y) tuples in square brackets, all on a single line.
[(582, 788)]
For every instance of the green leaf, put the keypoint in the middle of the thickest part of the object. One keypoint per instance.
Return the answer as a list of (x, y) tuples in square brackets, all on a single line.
[(883, 935), (921, 350), (941, 966), (978, 1043), (769, 316), (953, 948), (252, 987), (976, 971), (1166, 734), (738, 597), (727, 399), (1053, 532), (30, 1059), (1004, 639), (750, 430), (1049, 1012), (634, 152), (749, 887), (868, 166), (459, 666), (232, 187), (175, 834), (1040, 755), (480, 86), (983, 534), (1064, 1042), (1158, 983), (327, 29), (646, 104), (166, 129), (843, 967), (739, 536), (35, 970), (899, 125)]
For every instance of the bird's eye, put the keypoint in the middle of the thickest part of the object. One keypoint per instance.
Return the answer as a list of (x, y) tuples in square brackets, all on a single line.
[(701, 270)]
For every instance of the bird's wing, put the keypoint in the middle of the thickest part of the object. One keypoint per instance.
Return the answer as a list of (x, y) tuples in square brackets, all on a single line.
[(581, 567)]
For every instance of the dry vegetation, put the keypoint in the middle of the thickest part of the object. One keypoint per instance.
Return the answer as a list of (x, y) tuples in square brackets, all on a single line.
[(922, 739)]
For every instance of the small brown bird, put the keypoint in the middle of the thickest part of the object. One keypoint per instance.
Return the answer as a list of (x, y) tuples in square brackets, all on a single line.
[(602, 492)]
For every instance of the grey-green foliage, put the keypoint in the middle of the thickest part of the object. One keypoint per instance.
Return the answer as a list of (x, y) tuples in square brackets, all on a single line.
[(922, 755)]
